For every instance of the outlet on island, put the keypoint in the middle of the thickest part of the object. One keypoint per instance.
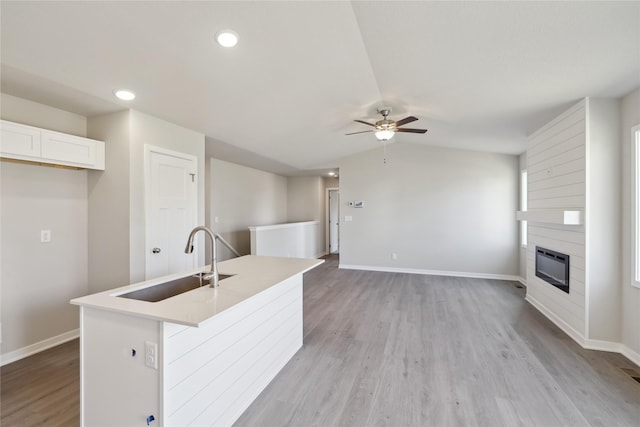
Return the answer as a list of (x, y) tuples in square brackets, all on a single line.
[(151, 354)]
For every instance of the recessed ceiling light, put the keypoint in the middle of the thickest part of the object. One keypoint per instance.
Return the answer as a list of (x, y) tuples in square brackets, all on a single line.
[(227, 38), (332, 173), (124, 94)]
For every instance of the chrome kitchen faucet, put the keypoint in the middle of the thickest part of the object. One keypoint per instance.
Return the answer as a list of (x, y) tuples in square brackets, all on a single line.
[(212, 275)]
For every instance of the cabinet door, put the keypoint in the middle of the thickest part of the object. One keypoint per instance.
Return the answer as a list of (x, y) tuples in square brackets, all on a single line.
[(19, 142), (69, 149)]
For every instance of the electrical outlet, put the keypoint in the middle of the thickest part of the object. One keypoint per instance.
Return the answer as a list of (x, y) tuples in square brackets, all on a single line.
[(45, 236), (151, 354)]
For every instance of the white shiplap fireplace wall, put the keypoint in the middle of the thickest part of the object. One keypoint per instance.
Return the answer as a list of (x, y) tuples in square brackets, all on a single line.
[(573, 165)]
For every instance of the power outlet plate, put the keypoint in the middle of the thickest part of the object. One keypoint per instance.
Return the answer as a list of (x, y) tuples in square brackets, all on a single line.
[(151, 354)]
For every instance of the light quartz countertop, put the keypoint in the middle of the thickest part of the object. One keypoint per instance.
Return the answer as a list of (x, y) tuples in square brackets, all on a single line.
[(251, 275)]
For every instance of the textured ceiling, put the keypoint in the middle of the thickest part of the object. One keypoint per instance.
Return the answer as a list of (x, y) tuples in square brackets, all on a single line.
[(478, 75)]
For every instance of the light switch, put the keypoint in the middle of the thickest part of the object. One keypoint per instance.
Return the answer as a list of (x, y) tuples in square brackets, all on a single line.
[(348, 218), (45, 236)]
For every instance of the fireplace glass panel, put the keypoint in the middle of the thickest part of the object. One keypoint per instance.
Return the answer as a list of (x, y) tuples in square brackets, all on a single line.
[(553, 267)]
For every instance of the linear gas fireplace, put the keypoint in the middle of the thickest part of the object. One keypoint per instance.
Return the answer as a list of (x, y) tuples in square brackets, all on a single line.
[(553, 267)]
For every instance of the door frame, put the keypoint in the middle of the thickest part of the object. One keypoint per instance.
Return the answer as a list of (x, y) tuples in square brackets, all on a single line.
[(148, 150), (327, 213)]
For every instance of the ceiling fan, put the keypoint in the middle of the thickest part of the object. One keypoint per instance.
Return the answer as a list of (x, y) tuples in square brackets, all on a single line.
[(385, 128)]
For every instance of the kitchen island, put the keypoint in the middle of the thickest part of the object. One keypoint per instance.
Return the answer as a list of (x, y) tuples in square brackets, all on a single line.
[(198, 358)]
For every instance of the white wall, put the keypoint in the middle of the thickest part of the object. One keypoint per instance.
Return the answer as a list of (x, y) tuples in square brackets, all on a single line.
[(603, 220), (306, 202), (557, 180), (573, 163), (290, 240), (240, 197), (38, 279), (34, 114), (522, 162), (150, 130), (96, 219), (439, 210), (328, 182), (304, 196), (630, 113), (331, 182), (116, 201), (109, 252)]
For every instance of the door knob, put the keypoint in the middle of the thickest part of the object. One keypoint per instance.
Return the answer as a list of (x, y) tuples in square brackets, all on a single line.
[(155, 250)]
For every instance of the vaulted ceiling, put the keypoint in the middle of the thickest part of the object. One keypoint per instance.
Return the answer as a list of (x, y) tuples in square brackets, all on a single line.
[(478, 75)]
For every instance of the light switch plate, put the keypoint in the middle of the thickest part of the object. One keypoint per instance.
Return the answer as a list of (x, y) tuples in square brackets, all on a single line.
[(45, 236)]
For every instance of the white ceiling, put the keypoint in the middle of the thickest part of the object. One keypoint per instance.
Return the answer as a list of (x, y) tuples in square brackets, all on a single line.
[(478, 75)]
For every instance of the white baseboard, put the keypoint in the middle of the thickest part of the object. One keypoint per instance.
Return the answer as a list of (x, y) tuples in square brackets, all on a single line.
[(523, 281), (564, 326), (614, 347), (29, 350), (631, 355), (431, 272), (589, 344), (600, 345)]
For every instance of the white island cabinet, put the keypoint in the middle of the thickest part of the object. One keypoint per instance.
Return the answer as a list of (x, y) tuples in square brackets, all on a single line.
[(197, 358)]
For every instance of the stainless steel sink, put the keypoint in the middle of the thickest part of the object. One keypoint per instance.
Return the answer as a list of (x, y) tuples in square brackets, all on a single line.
[(169, 289)]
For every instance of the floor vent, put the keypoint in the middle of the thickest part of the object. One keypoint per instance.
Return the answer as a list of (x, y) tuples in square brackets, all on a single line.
[(632, 373)]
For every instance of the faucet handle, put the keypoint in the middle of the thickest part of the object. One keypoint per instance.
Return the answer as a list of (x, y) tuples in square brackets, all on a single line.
[(204, 275)]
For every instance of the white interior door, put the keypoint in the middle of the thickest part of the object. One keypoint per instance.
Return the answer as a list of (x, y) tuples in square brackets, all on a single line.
[(334, 221), (171, 210)]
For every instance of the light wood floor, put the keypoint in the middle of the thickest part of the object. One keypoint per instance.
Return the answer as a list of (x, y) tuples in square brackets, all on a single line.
[(395, 349), (42, 390)]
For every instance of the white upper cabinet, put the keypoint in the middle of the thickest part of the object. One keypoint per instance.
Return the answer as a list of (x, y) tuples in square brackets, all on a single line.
[(19, 140), (68, 148), (28, 143)]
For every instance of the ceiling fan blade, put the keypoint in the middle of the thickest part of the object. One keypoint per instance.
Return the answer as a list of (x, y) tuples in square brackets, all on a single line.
[(411, 130), (406, 120), (362, 131), (365, 123)]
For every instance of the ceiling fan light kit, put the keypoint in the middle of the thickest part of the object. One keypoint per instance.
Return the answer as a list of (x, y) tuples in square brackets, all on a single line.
[(384, 135), (385, 129)]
